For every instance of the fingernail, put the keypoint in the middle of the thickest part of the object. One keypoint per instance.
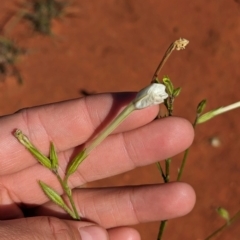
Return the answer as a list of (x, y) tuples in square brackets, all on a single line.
[(93, 233)]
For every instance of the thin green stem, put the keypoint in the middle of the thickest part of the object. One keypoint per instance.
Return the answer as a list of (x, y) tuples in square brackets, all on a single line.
[(183, 164), (74, 207), (185, 156), (170, 106), (161, 229), (166, 176), (167, 169), (70, 212), (237, 215), (161, 171), (67, 190)]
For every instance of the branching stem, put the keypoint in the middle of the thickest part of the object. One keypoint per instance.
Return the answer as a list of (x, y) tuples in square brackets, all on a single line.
[(234, 218), (68, 192)]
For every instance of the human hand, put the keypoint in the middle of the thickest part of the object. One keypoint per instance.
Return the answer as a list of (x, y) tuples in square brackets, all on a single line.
[(136, 142)]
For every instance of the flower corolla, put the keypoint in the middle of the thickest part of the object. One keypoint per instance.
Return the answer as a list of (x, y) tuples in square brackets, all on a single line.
[(151, 95)]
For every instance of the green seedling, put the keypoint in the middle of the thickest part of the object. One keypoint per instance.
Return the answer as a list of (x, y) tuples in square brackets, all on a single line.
[(9, 54)]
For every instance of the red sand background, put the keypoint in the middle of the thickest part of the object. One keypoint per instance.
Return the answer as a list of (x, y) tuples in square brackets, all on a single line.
[(116, 46)]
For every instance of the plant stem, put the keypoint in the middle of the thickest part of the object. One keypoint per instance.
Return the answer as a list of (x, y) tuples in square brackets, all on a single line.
[(183, 164), (164, 59), (67, 190), (186, 154), (178, 45), (167, 169), (161, 171), (237, 215), (74, 207), (161, 229)]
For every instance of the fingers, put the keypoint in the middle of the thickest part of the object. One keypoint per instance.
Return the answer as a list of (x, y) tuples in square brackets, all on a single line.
[(50, 228), (119, 153), (125, 233), (67, 124), (56, 229), (143, 146), (113, 207)]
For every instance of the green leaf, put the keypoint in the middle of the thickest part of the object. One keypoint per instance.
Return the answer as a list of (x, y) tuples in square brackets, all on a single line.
[(201, 106), (55, 197), (76, 162), (176, 91), (53, 157), (169, 86)]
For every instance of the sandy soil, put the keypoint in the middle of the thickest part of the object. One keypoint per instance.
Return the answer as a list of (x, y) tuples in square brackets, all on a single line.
[(115, 46)]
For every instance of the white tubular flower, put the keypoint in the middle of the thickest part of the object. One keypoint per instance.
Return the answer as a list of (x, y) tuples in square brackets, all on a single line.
[(151, 95)]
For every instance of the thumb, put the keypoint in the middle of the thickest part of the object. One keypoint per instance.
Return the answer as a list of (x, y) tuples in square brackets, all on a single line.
[(50, 228)]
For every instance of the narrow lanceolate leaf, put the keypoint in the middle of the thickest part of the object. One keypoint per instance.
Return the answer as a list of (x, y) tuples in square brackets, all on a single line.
[(76, 162), (23, 139), (53, 157), (176, 91), (55, 197), (168, 83)]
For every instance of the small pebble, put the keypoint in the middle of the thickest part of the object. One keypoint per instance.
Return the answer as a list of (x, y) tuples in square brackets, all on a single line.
[(215, 142)]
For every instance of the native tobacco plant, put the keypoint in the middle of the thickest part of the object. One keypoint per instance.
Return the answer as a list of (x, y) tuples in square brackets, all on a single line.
[(151, 95), (154, 94)]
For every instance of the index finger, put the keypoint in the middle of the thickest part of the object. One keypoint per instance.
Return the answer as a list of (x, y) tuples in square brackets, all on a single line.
[(67, 124)]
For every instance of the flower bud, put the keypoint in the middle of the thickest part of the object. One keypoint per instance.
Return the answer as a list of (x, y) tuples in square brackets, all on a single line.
[(169, 86), (176, 92), (151, 95), (223, 213), (201, 106), (45, 161)]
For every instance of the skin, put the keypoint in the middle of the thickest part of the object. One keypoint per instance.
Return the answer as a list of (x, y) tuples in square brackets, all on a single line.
[(138, 141)]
